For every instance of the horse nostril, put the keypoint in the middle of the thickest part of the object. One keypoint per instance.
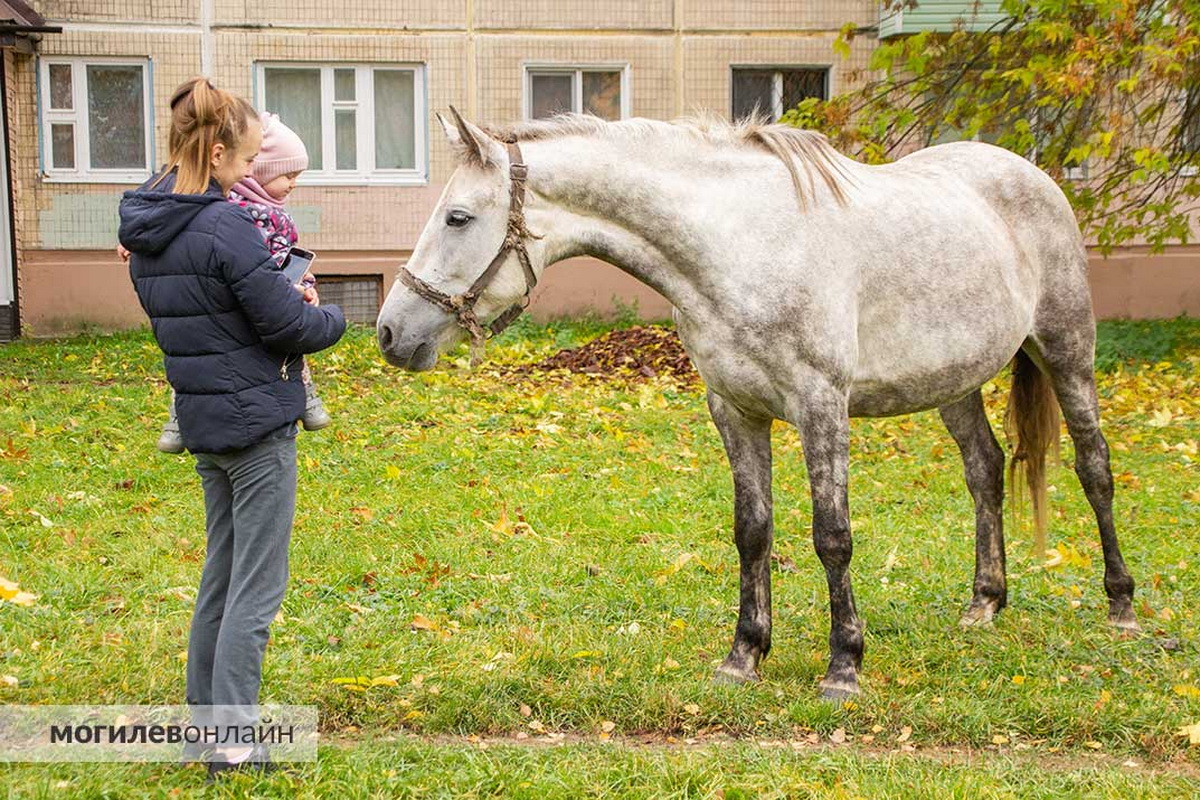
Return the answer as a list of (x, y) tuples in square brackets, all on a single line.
[(385, 337)]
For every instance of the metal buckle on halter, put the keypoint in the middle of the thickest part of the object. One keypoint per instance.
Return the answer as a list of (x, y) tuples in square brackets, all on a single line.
[(518, 171)]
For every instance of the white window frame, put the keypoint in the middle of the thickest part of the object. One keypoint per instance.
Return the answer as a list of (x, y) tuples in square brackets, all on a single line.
[(77, 116), (364, 93), (576, 71), (777, 82)]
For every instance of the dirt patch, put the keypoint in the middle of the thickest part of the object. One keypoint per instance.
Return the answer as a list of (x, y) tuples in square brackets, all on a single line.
[(639, 353)]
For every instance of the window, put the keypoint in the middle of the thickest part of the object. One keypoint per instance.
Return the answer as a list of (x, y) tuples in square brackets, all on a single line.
[(361, 123), (600, 91), (771, 91), (95, 116)]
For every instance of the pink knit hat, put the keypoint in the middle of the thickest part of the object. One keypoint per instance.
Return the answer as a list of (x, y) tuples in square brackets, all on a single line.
[(281, 152)]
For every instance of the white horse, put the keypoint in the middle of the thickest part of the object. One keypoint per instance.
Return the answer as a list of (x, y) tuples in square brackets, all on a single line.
[(809, 288)]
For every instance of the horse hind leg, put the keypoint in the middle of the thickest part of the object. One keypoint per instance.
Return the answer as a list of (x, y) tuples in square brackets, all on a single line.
[(1069, 358), (983, 466), (748, 445)]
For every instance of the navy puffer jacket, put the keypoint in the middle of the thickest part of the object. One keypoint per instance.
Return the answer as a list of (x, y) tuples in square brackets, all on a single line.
[(231, 326)]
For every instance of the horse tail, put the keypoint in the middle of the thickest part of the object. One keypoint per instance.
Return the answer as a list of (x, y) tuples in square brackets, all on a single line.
[(1031, 424)]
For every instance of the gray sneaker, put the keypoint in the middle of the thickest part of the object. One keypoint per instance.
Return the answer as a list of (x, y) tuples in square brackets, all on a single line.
[(315, 416), (171, 441)]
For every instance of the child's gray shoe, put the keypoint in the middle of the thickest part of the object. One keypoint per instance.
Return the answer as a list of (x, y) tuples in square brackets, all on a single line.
[(171, 440), (315, 416)]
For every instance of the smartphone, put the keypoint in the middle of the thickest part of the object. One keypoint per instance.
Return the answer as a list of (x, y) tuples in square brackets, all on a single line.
[(297, 263)]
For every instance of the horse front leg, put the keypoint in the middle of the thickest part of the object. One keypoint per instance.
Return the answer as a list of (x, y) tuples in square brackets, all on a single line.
[(825, 433), (748, 445)]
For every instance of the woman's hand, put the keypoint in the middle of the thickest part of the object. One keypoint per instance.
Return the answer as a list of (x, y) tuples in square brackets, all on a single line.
[(123, 253), (308, 287)]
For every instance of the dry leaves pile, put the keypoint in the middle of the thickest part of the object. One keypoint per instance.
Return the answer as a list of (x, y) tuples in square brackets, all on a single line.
[(640, 352)]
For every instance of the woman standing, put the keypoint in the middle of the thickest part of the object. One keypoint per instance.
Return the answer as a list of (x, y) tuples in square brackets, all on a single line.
[(233, 330)]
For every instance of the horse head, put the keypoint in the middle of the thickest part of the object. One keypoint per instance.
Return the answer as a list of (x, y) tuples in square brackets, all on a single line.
[(474, 260)]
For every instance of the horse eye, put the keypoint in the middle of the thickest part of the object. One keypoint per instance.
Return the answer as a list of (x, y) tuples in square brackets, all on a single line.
[(457, 219)]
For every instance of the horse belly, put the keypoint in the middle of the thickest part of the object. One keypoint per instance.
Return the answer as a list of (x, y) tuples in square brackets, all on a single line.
[(913, 371), (943, 310)]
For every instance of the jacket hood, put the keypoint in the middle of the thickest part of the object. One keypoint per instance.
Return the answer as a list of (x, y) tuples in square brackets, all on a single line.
[(151, 218)]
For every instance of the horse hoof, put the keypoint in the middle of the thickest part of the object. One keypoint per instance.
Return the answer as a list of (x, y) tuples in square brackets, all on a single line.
[(838, 691), (980, 613), (733, 676), (1126, 624), (977, 617)]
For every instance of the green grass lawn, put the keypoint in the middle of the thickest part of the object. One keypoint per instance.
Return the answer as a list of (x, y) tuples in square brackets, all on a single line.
[(564, 548)]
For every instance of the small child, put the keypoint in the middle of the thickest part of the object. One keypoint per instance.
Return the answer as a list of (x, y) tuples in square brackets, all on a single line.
[(280, 161)]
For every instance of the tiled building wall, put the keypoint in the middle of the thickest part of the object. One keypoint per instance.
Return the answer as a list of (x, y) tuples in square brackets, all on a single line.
[(368, 14), (762, 15), (624, 15), (157, 11)]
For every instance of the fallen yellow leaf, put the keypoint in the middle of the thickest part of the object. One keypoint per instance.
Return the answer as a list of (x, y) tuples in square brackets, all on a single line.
[(1192, 732), (420, 622), (503, 525), (11, 593), (386, 680)]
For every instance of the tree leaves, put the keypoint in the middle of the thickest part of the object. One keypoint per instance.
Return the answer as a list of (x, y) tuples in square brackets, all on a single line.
[(1063, 82)]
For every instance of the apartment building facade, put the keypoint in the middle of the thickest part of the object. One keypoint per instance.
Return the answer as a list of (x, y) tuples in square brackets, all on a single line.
[(87, 83)]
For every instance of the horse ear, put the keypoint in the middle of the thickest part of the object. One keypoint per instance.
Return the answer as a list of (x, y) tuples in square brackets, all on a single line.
[(451, 132), (472, 144)]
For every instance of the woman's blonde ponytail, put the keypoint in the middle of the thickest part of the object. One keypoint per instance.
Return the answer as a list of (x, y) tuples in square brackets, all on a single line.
[(201, 116)]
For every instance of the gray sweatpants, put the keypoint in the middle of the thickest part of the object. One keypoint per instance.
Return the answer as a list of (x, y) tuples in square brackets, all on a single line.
[(249, 504)]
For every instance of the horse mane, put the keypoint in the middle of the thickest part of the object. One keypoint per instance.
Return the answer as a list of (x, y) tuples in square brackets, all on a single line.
[(795, 147)]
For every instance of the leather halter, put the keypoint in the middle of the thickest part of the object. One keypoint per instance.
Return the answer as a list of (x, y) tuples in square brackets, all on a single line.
[(462, 306)]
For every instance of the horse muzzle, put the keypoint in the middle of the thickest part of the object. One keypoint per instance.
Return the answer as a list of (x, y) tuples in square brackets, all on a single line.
[(414, 356)]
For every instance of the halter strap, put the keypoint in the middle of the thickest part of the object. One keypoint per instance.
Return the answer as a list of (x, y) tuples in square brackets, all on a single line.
[(462, 306)]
